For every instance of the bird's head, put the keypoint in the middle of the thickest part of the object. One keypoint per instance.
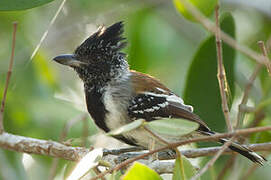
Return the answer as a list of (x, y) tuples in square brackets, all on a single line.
[(98, 59)]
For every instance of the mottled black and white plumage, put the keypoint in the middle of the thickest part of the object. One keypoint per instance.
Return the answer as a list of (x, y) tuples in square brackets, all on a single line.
[(116, 95)]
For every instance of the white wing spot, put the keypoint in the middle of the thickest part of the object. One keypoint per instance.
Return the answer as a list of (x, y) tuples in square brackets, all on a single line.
[(149, 110), (156, 107), (161, 90), (163, 104), (172, 98)]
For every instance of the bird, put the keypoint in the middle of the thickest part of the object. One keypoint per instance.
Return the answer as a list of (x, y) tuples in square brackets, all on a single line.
[(116, 95)]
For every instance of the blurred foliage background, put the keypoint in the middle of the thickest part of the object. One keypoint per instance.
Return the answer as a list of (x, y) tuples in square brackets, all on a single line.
[(43, 95)]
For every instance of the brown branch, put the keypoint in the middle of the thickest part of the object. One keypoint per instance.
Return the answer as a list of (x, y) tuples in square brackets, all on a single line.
[(209, 25), (190, 153), (213, 160), (174, 145), (221, 75), (41, 147), (97, 171), (55, 149), (8, 77)]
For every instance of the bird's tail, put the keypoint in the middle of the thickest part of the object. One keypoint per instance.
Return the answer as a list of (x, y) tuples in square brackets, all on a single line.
[(241, 149)]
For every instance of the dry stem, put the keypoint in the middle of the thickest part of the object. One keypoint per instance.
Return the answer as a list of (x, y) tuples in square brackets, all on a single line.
[(221, 75), (8, 77)]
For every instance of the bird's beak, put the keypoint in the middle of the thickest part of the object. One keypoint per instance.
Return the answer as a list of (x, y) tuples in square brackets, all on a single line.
[(68, 60)]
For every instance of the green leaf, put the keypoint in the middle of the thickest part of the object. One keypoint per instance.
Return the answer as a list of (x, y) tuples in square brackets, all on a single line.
[(142, 172), (126, 128), (15, 5), (202, 88), (172, 127), (138, 56), (43, 69), (189, 170), (89, 161), (206, 7)]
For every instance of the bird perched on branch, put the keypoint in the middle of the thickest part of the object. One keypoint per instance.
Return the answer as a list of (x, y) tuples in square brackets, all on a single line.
[(116, 95)]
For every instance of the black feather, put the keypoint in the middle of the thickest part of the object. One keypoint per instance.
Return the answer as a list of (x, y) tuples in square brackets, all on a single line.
[(241, 149), (245, 152), (96, 108), (147, 107), (103, 44)]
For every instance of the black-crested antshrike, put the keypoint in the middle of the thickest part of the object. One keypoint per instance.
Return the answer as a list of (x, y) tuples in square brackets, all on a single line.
[(116, 95)]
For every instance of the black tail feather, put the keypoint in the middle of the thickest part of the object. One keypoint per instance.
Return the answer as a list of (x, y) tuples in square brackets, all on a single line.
[(241, 149)]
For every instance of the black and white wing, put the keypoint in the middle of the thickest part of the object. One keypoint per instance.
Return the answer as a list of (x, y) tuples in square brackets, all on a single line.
[(158, 102)]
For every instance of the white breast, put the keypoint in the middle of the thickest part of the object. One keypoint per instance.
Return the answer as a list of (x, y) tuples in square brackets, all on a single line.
[(116, 107)]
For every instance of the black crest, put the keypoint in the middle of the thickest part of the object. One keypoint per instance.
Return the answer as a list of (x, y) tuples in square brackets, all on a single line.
[(104, 43)]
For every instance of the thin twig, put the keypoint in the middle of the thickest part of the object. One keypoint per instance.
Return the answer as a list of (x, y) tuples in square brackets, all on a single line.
[(8, 77), (97, 171), (213, 160), (221, 75), (227, 166), (209, 25), (174, 145), (47, 30), (156, 136), (240, 115), (259, 115)]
